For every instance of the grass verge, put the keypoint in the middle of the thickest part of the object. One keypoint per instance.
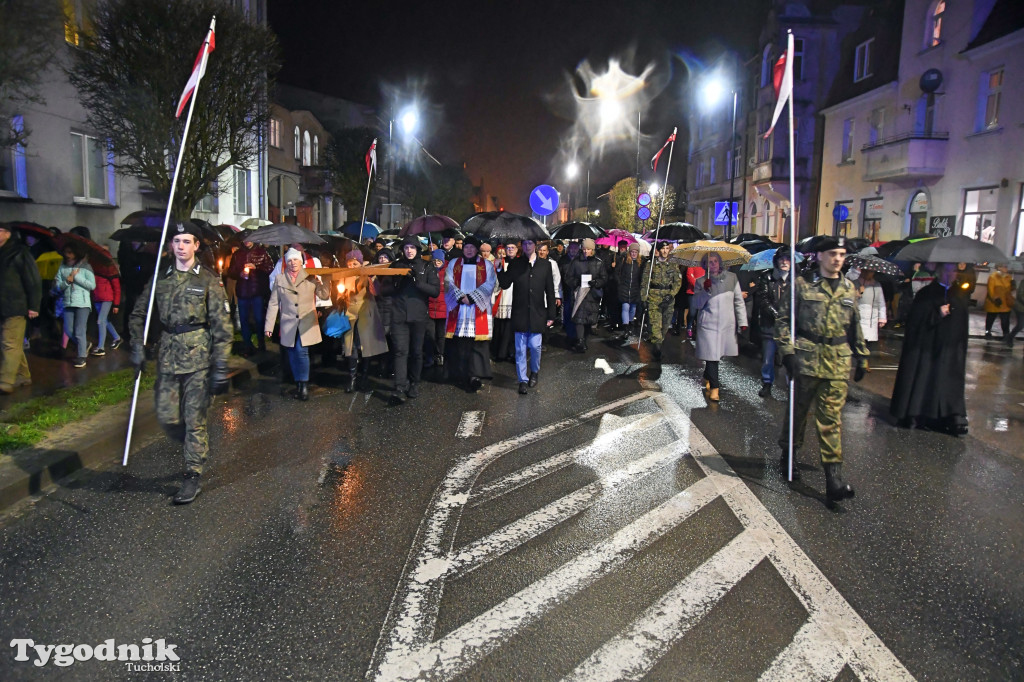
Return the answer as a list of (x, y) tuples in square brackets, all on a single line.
[(28, 422)]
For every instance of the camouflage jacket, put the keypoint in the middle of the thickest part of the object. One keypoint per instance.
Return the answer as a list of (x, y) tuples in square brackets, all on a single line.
[(665, 281), (192, 297), (828, 332)]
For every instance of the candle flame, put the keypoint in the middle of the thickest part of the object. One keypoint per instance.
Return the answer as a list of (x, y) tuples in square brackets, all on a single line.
[(341, 287)]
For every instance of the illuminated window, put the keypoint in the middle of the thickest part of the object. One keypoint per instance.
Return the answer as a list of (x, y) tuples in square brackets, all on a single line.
[(13, 175), (847, 141), (980, 213), (305, 148), (297, 143), (275, 133), (766, 66), (316, 150), (243, 196), (91, 170), (934, 23), (990, 97)]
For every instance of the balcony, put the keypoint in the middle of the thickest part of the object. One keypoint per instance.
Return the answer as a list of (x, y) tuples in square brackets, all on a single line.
[(908, 156), (777, 170), (315, 180)]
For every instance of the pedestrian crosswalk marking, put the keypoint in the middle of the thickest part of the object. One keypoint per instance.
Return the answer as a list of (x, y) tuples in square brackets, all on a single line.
[(833, 637), (471, 424)]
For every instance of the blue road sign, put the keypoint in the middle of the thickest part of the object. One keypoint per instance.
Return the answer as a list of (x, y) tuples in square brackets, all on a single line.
[(644, 199), (721, 212), (840, 212), (544, 199), (643, 213)]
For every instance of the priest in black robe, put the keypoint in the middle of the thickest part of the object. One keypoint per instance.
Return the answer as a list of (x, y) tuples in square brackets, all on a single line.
[(930, 381)]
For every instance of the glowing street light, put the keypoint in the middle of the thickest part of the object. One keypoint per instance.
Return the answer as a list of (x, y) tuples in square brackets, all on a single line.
[(572, 170), (713, 91), (653, 188), (410, 119)]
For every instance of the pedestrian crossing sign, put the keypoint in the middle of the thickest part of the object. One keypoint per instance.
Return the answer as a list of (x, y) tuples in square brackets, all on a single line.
[(722, 213)]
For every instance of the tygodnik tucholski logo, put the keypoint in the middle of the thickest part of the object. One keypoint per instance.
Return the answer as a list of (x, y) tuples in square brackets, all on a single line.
[(151, 655)]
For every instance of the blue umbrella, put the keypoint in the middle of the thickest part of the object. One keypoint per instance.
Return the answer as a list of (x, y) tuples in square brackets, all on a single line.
[(351, 229), (763, 260)]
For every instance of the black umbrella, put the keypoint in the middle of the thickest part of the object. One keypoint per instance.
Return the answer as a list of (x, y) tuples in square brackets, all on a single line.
[(749, 237), (677, 232), (136, 233), (504, 226), (759, 245), (856, 244), (577, 230), (809, 244), (281, 234), (955, 249)]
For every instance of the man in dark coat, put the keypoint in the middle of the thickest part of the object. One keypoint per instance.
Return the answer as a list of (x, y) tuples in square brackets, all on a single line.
[(628, 283), (410, 299), (533, 308), (930, 379), (585, 277), (767, 303), (20, 294), (251, 266)]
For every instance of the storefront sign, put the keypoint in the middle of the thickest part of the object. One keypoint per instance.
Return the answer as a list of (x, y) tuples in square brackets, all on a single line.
[(919, 204), (873, 208), (942, 225)]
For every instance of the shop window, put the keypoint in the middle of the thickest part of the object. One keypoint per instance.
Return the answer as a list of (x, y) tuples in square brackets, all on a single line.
[(980, 213)]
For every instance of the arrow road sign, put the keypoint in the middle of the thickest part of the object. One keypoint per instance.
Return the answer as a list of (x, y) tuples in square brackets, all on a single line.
[(544, 199)]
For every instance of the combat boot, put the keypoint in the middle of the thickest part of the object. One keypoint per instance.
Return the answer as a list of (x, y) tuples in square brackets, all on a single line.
[(835, 487), (189, 489)]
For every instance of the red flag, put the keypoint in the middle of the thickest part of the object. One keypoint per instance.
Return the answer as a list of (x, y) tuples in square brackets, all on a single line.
[(371, 158), (654, 161), (198, 69), (782, 81)]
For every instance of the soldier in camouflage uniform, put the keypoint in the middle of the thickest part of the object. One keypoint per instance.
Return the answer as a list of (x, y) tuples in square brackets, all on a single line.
[(828, 338), (192, 309), (660, 296)]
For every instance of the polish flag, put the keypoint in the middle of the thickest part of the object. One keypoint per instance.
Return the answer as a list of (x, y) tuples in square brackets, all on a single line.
[(371, 158), (782, 81), (654, 161), (198, 70)]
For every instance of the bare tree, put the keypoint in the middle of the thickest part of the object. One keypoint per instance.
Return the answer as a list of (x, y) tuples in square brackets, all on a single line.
[(130, 71), (29, 38)]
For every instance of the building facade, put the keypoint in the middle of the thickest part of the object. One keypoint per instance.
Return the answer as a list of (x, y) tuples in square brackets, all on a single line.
[(936, 149)]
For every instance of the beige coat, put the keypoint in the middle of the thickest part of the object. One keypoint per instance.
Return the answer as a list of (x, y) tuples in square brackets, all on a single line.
[(297, 306), (363, 315)]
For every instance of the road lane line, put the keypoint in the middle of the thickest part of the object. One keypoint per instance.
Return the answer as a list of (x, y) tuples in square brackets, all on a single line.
[(846, 632), (414, 605), (464, 647), (603, 365), (805, 658), (506, 539), (634, 652), (534, 472), (471, 424)]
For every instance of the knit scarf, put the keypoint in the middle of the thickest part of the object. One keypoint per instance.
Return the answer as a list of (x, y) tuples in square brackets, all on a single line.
[(480, 319)]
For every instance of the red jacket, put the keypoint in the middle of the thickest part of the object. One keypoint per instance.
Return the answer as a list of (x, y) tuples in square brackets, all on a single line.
[(436, 306), (107, 289)]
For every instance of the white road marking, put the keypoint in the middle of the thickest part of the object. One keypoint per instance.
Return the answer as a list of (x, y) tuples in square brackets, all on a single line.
[(833, 636), (602, 364), (471, 424)]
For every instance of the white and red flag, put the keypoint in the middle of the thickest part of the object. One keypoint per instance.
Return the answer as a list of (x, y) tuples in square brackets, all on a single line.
[(782, 81), (198, 69), (654, 161), (371, 158)]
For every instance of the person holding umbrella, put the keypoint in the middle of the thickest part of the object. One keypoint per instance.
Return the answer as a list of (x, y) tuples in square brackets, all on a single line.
[(585, 277), (469, 281), (828, 338), (771, 287), (718, 313)]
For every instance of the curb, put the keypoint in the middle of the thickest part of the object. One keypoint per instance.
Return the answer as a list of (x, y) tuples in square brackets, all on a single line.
[(37, 470)]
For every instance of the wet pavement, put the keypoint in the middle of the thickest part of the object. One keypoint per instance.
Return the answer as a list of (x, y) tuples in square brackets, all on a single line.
[(589, 529)]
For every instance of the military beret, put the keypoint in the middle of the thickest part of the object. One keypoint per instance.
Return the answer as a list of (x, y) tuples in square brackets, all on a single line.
[(830, 243), (186, 227)]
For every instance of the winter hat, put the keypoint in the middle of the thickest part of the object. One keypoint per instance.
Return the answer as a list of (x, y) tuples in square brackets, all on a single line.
[(780, 254), (410, 240), (622, 242), (387, 253), (354, 254), (437, 254), (634, 247), (471, 240), (589, 244), (292, 254)]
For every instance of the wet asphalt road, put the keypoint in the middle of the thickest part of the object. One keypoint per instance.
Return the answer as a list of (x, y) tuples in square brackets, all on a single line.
[(312, 551)]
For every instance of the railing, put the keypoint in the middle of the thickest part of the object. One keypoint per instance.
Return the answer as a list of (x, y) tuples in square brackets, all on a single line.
[(903, 137)]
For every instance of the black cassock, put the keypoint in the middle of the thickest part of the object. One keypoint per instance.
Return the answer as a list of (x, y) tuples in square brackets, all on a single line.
[(930, 379)]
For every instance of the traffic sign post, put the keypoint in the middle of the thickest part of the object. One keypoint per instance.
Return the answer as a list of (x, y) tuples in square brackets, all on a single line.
[(839, 214), (544, 200), (723, 216), (644, 213)]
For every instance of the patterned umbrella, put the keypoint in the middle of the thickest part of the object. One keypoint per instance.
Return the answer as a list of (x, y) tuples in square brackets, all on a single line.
[(763, 260), (504, 226), (874, 263), (691, 254), (613, 238)]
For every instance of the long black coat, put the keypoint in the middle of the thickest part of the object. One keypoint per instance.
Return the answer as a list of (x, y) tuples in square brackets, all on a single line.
[(534, 302), (627, 276), (410, 293), (589, 311), (933, 364), (20, 286)]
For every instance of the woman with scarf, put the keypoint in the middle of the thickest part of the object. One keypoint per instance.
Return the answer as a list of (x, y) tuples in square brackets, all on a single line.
[(357, 299), (294, 295), (719, 310), (469, 282)]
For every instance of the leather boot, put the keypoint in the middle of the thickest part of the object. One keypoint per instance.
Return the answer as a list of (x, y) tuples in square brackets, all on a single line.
[(835, 487), (303, 392), (190, 487), (351, 387)]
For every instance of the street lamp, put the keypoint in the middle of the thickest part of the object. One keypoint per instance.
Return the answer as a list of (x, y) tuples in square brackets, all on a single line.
[(714, 89)]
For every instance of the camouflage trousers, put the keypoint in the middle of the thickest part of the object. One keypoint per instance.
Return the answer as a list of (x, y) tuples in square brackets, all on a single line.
[(830, 395), (659, 309), (182, 403)]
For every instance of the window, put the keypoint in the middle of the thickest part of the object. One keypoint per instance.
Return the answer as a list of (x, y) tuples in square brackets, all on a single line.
[(847, 156), (90, 166), (700, 174), (862, 61), (764, 144), (713, 175), (737, 163), (243, 203), (1019, 248), (209, 203), (316, 150), (798, 59), (980, 213), (275, 133), (766, 66), (297, 144), (13, 174), (933, 26), (72, 21), (924, 116), (305, 148), (991, 92), (876, 126)]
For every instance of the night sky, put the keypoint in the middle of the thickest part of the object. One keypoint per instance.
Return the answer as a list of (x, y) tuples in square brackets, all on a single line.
[(496, 78)]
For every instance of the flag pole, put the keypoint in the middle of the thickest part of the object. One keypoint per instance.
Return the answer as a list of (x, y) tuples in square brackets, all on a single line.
[(159, 251), (657, 229), (371, 166), (365, 202), (792, 257)]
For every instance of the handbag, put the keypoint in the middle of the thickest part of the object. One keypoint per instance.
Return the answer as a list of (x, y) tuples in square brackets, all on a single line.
[(337, 324)]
